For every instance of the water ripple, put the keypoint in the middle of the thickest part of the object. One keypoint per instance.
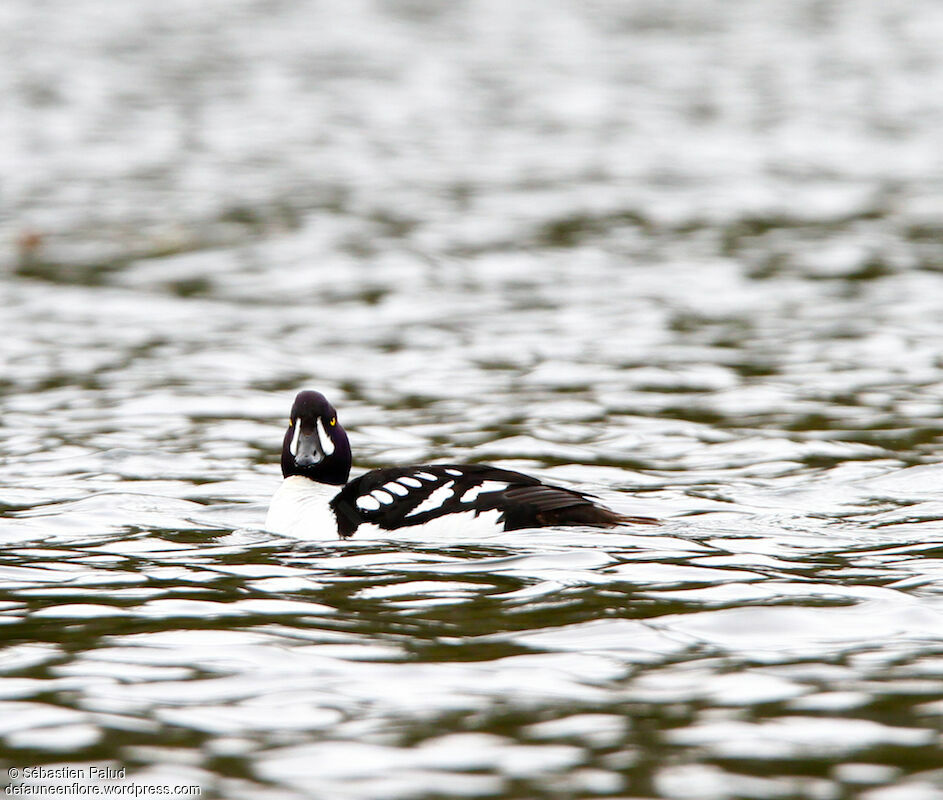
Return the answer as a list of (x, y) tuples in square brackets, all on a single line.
[(566, 238)]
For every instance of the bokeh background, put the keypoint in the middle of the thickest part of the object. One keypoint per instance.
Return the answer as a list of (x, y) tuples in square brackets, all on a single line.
[(687, 256)]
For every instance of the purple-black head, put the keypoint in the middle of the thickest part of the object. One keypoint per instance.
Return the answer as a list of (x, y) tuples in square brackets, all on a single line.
[(315, 444)]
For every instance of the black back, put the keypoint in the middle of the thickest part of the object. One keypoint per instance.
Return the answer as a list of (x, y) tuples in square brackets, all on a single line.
[(524, 502)]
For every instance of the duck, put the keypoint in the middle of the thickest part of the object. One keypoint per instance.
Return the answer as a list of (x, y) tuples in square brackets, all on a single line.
[(317, 499)]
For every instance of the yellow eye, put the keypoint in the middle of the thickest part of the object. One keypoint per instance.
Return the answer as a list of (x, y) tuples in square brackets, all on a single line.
[(333, 421), (291, 422)]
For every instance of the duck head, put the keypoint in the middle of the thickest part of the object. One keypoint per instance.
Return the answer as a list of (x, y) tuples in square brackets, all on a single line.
[(315, 445)]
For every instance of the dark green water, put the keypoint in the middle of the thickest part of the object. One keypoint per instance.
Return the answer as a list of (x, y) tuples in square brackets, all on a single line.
[(686, 257)]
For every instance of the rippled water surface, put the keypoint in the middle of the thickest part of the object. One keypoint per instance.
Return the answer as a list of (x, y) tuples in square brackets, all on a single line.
[(686, 256)]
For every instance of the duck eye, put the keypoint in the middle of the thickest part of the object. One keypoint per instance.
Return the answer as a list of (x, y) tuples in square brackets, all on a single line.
[(291, 422), (333, 421)]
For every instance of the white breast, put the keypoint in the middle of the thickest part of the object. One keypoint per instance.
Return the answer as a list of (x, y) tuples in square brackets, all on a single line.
[(300, 508)]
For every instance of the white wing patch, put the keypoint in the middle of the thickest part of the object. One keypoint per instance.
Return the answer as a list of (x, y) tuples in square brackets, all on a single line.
[(455, 472), (435, 500), (484, 486), (384, 497), (397, 488), (412, 483), (367, 503), (426, 476)]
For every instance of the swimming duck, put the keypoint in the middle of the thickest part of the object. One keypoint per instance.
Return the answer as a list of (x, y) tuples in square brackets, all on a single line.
[(316, 499)]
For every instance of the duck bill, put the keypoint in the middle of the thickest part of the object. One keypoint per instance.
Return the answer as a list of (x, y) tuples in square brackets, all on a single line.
[(306, 447)]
